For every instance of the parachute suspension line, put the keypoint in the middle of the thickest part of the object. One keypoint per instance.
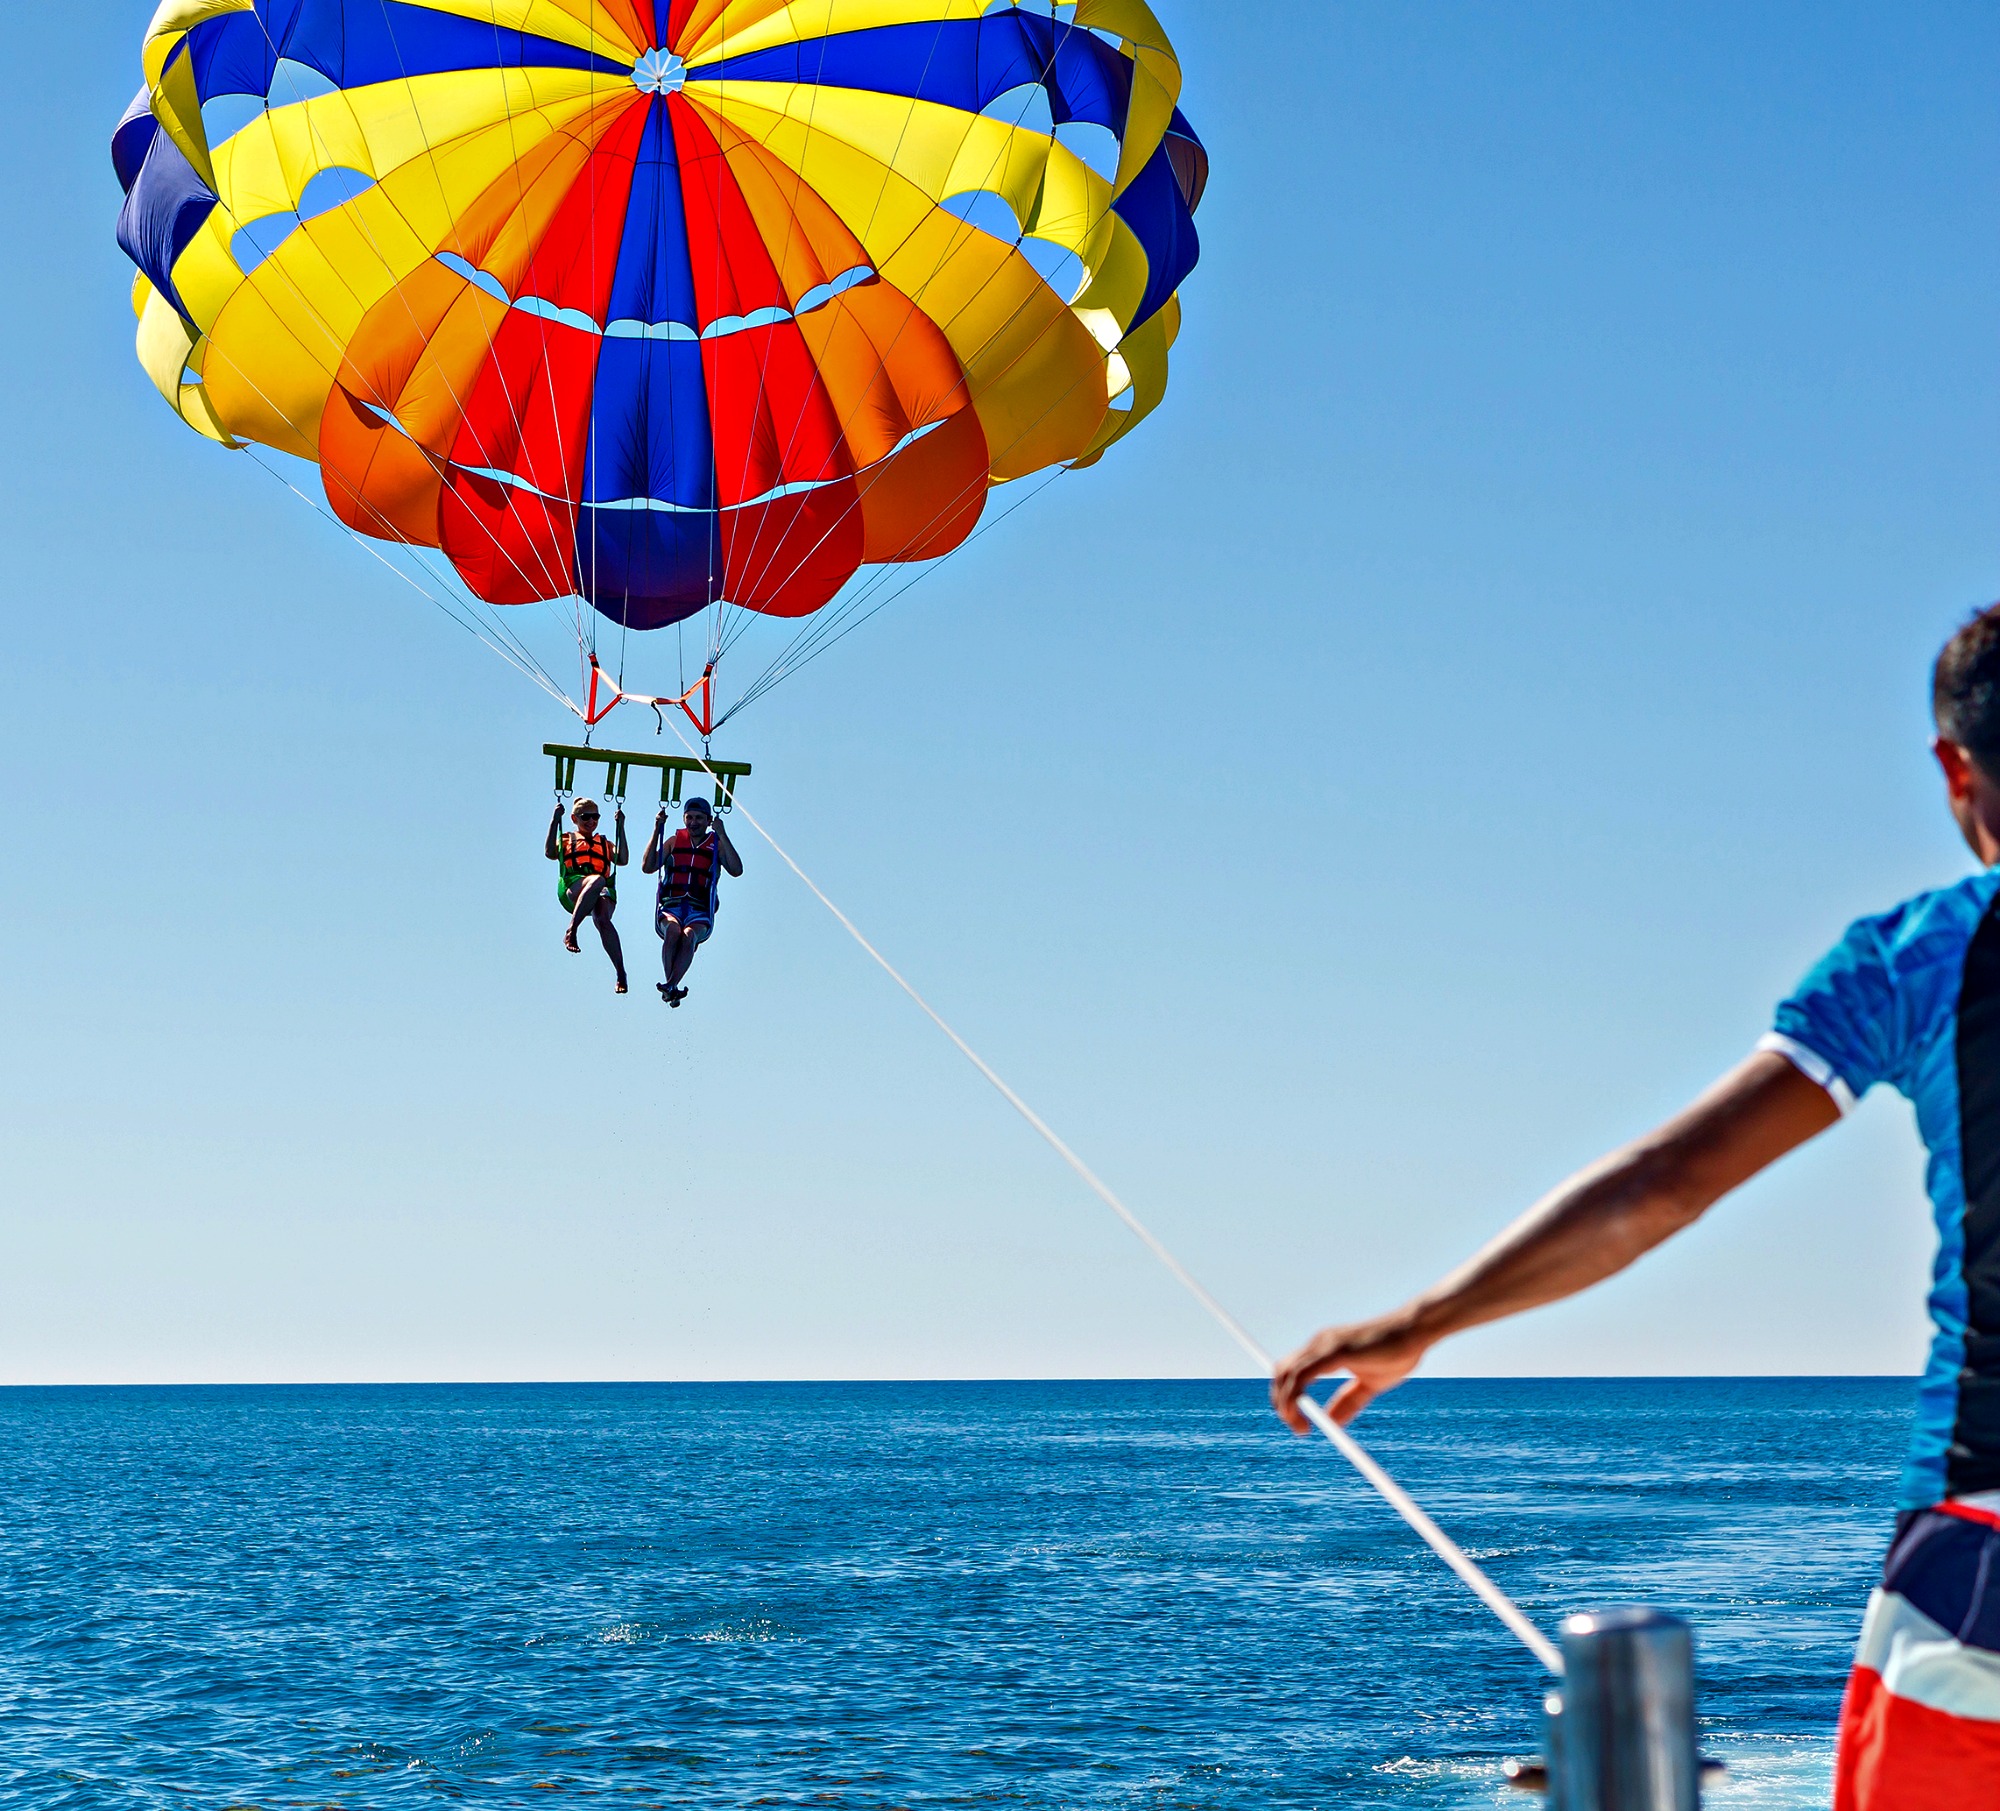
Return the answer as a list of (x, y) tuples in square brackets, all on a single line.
[(1350, 1449), (657, 116), (574, 608), (752, 581), (532, 665), (389, 198), (246, 445), (780, 471), (822, 623), (720, 633), (586, 610), (717, 603), (518, 657), (829, 626), (826, 627), (521, 659), (301, 100), (820, 627), (961, 234), (811, 645), (881, 575), (463, 612)]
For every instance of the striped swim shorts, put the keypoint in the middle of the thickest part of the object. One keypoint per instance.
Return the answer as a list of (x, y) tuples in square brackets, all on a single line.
[(1920, 1726)]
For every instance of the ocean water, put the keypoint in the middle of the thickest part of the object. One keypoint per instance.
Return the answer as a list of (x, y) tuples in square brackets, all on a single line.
[(1034, 1595)]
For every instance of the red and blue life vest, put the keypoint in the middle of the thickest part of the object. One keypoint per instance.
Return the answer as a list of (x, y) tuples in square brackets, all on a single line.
[(690, 869)]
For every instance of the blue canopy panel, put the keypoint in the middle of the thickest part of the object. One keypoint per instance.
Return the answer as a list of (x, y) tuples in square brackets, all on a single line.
[(1156, 210), (653, 284), (355, 42), (133, 139), (648, 541), (165, 202), (645, 567), (962, 63)]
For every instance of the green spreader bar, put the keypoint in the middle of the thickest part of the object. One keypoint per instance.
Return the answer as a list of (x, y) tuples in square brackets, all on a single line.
[(674, 771)]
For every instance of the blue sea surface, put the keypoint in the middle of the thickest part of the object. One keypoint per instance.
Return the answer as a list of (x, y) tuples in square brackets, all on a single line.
[(1016, 1594)]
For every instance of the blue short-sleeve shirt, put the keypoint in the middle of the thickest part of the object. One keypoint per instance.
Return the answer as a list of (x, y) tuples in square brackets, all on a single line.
[(1912, 999)]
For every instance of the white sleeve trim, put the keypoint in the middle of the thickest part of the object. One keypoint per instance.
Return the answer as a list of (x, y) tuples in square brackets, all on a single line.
[(1810, 1064)]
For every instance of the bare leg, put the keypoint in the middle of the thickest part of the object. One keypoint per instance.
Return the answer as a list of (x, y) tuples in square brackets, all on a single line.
[(608, 934), (677, 947), (587, 897)]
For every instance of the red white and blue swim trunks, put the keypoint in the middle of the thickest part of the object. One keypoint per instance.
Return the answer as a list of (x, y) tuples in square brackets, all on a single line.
[(1920, 1727), (1912, 999)]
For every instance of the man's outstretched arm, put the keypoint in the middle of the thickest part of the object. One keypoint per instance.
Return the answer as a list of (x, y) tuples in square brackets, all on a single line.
[(1588, 1229)]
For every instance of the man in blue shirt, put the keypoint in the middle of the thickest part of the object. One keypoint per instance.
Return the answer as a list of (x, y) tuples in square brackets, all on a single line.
[(1912, 999)]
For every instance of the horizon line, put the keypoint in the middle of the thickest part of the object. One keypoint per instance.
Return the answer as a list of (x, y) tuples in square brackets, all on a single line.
[(793, 1383)]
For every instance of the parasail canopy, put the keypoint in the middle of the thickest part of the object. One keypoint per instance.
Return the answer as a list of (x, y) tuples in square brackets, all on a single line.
[(668, 305)]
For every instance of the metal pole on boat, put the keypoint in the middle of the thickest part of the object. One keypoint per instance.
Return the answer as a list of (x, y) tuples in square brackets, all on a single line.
[(1621, 1736)]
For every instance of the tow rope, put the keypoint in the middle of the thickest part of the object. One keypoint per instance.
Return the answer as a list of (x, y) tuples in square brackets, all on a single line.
[(1350, 1449)]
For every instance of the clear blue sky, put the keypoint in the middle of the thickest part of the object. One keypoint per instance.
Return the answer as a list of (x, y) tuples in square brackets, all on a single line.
[(1415, 761)]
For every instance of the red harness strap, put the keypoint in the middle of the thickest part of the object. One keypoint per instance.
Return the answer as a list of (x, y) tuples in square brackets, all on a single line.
[(1967, 1513)]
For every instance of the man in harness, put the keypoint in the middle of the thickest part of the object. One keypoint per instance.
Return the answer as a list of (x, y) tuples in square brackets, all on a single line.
[(690, 864), (587, 881), (1910, 998)]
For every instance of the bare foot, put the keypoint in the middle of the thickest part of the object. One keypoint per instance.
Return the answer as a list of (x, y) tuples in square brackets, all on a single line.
[(620, 988), (569, 943)]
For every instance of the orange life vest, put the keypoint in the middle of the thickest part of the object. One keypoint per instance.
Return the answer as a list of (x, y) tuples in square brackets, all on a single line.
[(583, 856)]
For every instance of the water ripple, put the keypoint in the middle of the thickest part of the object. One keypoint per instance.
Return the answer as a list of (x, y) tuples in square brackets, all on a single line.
[(1034, 1595)]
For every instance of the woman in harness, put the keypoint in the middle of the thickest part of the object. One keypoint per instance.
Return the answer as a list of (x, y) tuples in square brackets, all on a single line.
[(690, 864), (587, 881)]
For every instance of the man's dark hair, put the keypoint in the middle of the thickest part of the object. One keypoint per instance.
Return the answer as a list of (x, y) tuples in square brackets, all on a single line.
[(1965, 690)]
